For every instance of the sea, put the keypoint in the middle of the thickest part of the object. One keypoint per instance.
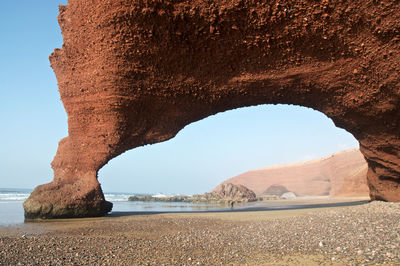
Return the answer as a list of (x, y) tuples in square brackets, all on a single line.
[(12, 212)]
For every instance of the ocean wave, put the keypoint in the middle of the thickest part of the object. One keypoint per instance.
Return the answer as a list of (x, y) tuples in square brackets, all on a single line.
[(9, 196), (13, 196), (116, 197), (160, 195)]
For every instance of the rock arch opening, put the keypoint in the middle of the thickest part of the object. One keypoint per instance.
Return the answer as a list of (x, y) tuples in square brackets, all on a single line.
[(207, 152), (132, 73)]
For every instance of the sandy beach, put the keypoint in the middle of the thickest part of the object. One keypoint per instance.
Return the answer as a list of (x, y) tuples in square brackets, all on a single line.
[(363, 234)]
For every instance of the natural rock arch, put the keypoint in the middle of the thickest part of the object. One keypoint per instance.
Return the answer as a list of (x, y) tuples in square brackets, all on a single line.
[(135, 72)]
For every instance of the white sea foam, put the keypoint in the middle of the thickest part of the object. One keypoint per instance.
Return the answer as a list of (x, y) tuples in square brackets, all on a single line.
[(10, 196), (159, 195), (117, 196), (14, 195)]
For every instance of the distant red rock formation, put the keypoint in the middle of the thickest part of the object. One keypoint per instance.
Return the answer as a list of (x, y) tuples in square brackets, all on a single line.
[(341, 174)]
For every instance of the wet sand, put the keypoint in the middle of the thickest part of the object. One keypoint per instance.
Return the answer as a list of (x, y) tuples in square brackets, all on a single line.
[(367, 233)]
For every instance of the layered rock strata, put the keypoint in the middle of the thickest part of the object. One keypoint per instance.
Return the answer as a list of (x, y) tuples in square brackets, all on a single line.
[(132, 73)]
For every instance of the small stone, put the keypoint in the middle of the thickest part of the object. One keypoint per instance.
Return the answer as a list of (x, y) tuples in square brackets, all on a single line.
[(355, 71), (320, 244), (338, 249), (360, 252)]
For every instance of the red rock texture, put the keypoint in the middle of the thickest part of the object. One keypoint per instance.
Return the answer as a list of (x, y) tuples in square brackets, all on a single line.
[(341, 174), (132, 73)]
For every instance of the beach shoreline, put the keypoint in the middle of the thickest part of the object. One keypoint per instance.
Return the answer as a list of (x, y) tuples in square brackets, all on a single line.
[(367, 233)]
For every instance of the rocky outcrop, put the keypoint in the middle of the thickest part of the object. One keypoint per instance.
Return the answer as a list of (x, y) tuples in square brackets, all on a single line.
[(231, 192), (226, 193), (67, 200), (147, 198), (132, 73), (340, 174)]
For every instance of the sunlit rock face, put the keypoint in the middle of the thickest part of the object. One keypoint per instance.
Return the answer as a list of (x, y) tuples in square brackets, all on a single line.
[(232, 192), (342, 174), (132, 73)]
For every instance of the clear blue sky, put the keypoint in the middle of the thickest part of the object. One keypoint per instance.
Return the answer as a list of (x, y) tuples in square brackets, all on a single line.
[(202, 155)]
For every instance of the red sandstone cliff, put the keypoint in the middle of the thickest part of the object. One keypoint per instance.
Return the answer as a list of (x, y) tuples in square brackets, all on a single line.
[(341, 174)]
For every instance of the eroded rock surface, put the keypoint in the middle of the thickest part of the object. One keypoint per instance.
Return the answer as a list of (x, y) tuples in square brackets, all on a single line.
[(231, 192), (133, 72)]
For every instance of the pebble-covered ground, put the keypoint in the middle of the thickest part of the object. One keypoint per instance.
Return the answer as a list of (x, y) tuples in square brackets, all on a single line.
[(365, 234)]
